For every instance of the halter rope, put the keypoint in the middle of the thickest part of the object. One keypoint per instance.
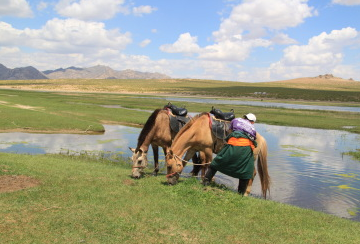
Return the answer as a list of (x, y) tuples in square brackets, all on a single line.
[(183, 160), (176, 156), (141, 167)]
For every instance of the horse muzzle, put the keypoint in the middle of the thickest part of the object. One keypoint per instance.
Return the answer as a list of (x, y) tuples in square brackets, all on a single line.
[(172, 178)]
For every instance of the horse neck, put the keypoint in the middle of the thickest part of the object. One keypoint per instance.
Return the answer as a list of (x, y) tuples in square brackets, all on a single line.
[(189, 138), (145, 143)]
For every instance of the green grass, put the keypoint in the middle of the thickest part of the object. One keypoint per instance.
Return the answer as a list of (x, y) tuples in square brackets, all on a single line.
[(84, 112), (328, 91), (83, 200), (354, 154)]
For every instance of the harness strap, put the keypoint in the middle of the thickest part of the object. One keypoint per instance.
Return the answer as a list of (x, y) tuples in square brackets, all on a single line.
[(241, 142)]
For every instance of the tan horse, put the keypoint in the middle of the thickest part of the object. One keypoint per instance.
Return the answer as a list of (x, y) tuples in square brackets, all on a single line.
[(197, 136), (157, 133)]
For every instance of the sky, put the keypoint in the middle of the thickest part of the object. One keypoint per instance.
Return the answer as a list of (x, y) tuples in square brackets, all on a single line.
[(234, 40)]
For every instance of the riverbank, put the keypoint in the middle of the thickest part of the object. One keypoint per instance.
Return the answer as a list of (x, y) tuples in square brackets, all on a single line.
[(79, 199)]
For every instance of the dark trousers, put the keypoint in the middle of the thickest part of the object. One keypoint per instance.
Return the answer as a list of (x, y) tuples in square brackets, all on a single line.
[(211, 172)]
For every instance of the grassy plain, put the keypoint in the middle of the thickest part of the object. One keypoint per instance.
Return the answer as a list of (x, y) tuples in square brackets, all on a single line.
[(80, 112), (304, 89), (83, 200)]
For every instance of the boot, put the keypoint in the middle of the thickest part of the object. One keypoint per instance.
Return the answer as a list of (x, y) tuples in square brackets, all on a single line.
[(242, 186), (208, 176)]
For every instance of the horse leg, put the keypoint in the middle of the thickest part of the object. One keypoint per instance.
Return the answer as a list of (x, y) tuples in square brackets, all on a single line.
[(204, 165), (156, 159), (196, 168), (210, 173), (248, 188)]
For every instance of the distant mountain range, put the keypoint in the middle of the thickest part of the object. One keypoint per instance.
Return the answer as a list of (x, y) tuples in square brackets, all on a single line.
[(25, 73), (95, 72)]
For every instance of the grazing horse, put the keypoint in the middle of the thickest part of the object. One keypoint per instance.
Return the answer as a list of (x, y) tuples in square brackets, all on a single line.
[(156, 132), (197, 135)]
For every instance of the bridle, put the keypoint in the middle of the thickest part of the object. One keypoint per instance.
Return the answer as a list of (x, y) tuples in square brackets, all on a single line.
[(141, 166), (175, 173)]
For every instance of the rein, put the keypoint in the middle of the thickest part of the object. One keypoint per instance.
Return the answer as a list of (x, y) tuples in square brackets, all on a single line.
[(176, 156)]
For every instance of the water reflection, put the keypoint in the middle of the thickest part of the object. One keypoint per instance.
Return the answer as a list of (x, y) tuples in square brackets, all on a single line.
[(306, 165), (116, 139)]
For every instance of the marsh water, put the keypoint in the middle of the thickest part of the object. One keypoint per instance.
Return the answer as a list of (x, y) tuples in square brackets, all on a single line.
[(307, 166)]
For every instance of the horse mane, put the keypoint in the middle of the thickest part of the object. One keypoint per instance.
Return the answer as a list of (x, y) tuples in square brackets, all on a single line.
[(187, 125), (147, 127)]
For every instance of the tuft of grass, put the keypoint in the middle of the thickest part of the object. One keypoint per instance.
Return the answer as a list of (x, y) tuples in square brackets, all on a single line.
[(94, 200), (354, 154)]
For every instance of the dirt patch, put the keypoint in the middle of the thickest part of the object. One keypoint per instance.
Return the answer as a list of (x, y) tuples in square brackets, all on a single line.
[(25, 107), (10, 183)]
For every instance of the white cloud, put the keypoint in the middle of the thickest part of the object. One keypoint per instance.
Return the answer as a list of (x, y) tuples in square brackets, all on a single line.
[(42, 5), (347, 71), (283, 39), (65, 36), (245, 29), (145, 42), (347, 2), (257, 16), (322, 54), (232, 50), (90, 9), (10, 36), (323, 49), (185, 44), (17, 8), (139, 11)]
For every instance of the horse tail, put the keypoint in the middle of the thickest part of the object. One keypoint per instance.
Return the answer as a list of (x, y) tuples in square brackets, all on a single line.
[(263, 168)]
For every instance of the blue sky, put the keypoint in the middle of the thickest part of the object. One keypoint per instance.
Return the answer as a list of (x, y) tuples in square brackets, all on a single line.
[(248, 40)]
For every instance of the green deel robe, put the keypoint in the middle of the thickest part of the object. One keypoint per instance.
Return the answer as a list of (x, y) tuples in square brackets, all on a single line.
[(235, 161)]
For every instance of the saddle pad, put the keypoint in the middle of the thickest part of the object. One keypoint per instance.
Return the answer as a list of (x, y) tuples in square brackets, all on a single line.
[(220, 128)]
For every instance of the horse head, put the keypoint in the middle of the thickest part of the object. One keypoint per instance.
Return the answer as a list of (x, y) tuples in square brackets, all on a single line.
[(174, 167), (140, 162)]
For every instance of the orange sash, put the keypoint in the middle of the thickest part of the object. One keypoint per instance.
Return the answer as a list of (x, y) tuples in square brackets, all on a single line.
[(241, 142)]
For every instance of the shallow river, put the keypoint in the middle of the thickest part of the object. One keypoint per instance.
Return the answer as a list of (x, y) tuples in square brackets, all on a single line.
[(307, 166)]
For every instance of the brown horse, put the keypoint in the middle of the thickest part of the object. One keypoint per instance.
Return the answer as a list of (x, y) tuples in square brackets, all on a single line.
[(197, 136), (157, 133)]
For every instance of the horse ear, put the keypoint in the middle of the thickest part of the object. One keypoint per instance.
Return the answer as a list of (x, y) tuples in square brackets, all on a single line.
[(132, 149)]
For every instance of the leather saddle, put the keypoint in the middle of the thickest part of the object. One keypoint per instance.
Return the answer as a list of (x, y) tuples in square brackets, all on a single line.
[(178, 117), (176, 110), (228, 116)]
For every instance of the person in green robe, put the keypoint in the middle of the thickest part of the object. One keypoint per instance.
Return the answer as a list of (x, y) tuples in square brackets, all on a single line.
[(236, 158)]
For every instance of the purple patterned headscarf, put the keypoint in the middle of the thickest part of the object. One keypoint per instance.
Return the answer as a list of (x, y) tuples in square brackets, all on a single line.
[(243, 125)]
